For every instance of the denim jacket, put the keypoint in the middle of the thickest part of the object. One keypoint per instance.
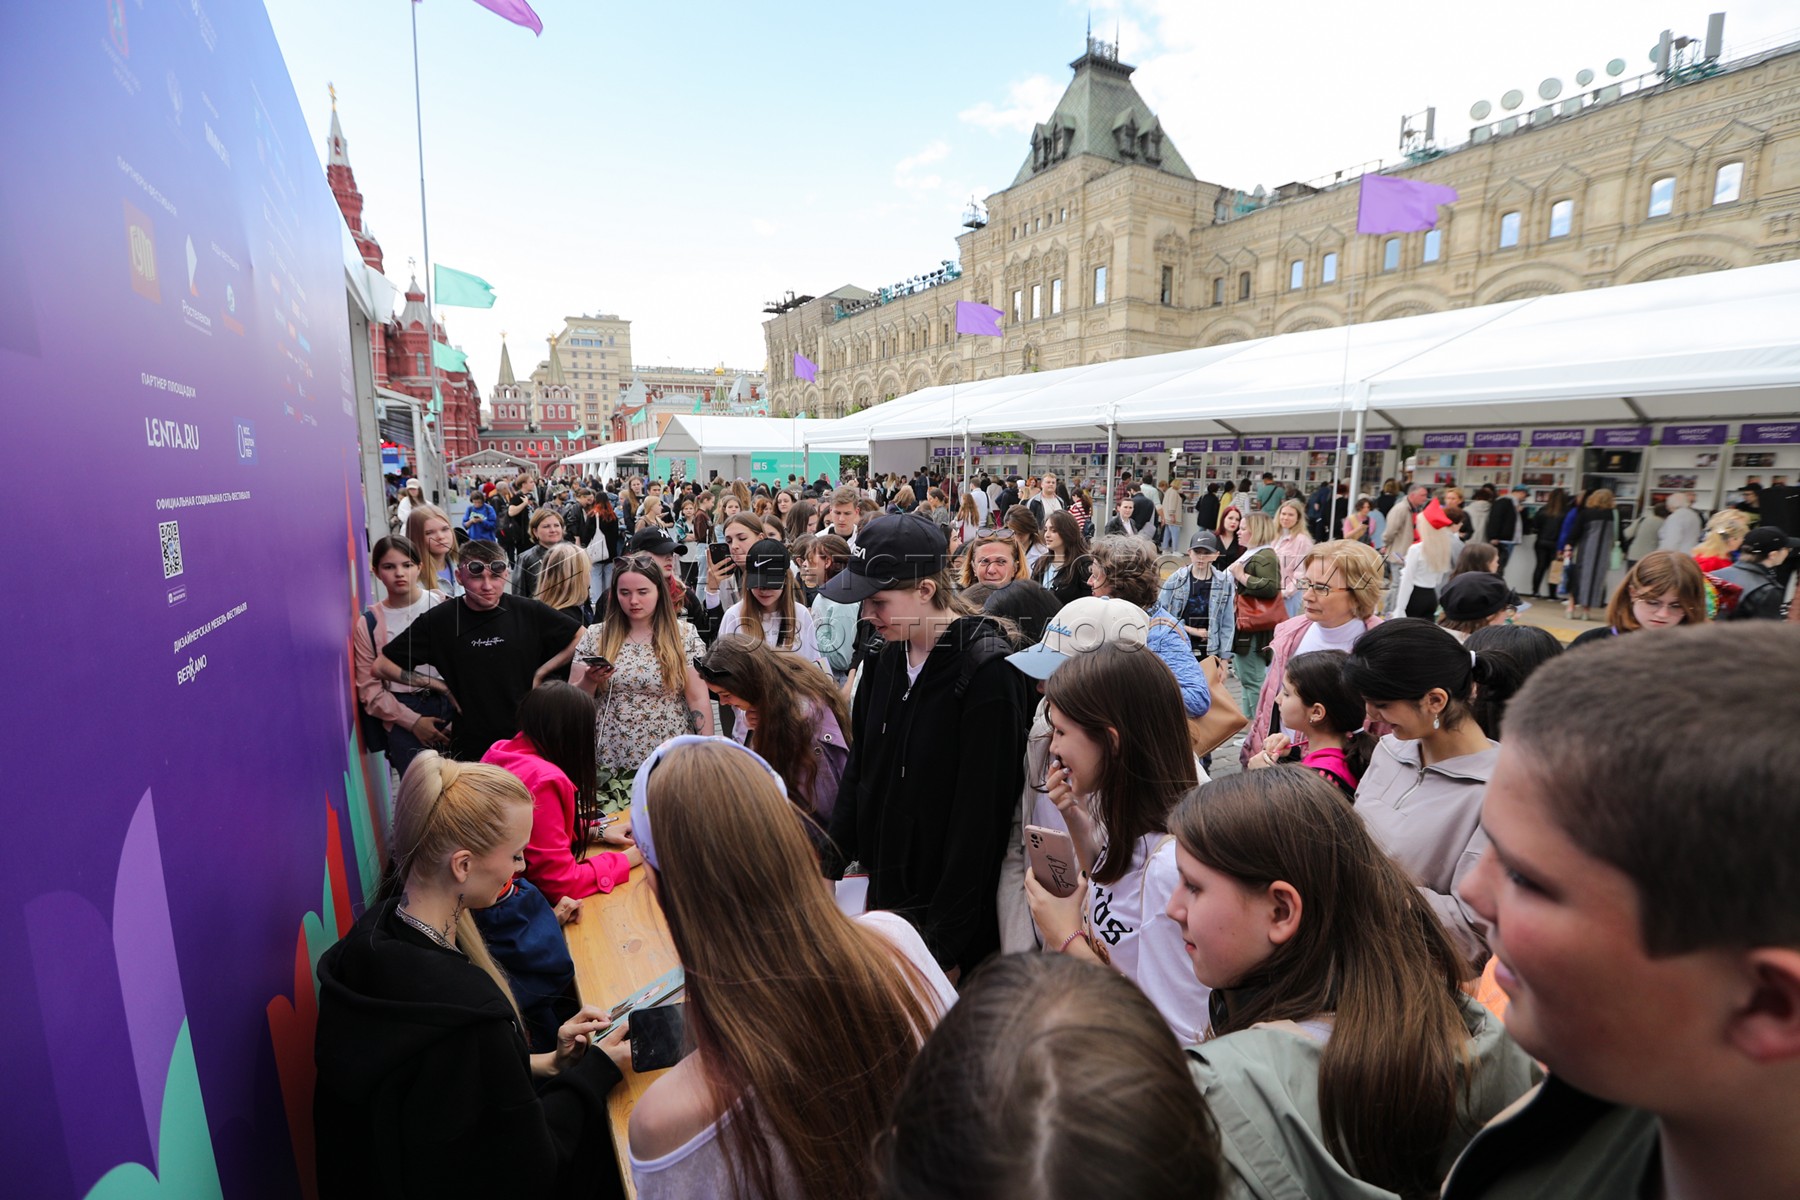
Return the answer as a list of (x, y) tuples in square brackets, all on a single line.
[(1221, 623)]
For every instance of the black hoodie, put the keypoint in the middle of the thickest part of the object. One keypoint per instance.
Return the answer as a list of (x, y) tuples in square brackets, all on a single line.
[(424, 1081), (927, 799)]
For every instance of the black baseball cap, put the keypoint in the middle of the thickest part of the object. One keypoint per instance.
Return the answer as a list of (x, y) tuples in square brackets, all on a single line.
[(1208, 541), (766, 565), (653, 541), (1765, 539), (1476, 596), (889, 553)]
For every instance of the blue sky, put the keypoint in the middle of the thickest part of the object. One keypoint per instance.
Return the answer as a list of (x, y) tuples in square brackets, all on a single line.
[(679, 164)]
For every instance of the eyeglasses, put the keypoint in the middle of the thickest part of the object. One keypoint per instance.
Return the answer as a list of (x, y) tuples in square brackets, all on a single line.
[(478, 568), (1320, 589), (1659, 606)]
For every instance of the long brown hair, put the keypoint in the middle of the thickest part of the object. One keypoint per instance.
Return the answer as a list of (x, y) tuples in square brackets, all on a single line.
[(804, 1020), (1653, 575), (429, 563), (784, 691), (665, 622), (1126, 692), (986, 1113), (787, 628), (1368, 950), (559, 721)]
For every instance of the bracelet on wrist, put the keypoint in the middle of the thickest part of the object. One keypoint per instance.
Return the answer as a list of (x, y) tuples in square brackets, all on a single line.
[(1064, 948)]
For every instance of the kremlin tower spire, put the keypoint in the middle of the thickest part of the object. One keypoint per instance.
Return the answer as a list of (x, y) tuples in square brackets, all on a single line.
[(343, 186)]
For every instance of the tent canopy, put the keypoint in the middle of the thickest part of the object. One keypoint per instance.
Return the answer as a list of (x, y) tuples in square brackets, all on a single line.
[(611, 452), (1721, 344), (690, 436)]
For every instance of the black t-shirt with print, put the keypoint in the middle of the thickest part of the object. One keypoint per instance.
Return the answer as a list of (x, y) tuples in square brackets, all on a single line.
[(487, 659)]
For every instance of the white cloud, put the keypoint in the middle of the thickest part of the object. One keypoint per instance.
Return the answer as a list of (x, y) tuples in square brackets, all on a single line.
[(762, 228), (907, 171), (1028, 101)]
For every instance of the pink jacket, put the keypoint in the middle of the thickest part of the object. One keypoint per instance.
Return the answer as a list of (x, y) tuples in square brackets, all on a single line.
[(1288, 636), (550, 861)]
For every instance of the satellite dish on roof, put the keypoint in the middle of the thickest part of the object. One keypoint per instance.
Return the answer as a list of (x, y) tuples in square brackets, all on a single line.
[(1479, 110), (1616, 67), (1583, 77), (1550, 89), (1512, 99)]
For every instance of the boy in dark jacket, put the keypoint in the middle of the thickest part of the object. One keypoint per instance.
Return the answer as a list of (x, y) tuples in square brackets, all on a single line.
[(937, 745)]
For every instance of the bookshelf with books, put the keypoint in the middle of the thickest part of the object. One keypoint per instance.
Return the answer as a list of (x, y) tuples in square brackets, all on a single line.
[(1688, 458), (1767, 453)]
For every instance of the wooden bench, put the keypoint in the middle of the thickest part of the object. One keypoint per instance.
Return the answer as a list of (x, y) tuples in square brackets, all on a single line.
[(621, 944)]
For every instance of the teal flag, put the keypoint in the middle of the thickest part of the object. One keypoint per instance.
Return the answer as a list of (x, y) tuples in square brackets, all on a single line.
[(578, 434), (448, 358), (461, 289)]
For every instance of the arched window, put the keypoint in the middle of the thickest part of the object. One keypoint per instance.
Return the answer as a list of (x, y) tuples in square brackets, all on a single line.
[(1562, 218), (1390, 255), (1243, 285), (1728, 184), (1433, 248), (1218, 292), (1296, 274), (1328, 271), (1662, 197), (1509, 229)]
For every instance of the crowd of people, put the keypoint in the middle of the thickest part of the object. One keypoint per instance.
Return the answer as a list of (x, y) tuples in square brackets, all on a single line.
[(1009, 856)]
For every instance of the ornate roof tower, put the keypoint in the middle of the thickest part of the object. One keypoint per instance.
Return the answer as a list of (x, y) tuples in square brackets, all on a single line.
[(1102, 114)]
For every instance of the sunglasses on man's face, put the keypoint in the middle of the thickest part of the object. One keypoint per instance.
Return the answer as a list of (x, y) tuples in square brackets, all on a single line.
[(478, 569)]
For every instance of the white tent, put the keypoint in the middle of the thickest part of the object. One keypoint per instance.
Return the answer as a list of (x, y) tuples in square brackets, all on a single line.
[(1725, 344), (603, 461)]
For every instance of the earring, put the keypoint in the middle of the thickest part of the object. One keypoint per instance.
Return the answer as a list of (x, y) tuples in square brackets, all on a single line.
[(1435, 723)]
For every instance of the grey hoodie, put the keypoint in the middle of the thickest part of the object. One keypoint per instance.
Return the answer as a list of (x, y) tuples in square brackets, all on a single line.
[(1428, 819)]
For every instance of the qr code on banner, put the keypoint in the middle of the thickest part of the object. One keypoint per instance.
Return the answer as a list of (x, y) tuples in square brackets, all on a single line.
[(171, 547)]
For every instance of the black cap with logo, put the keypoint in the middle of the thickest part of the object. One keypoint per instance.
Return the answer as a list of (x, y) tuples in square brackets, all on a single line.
[(890, 552), (766, 566)]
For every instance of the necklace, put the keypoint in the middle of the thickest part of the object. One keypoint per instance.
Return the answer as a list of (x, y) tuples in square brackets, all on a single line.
[(425, 929)]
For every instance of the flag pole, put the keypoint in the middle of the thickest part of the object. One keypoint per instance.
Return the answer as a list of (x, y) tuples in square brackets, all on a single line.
[(425, 233)]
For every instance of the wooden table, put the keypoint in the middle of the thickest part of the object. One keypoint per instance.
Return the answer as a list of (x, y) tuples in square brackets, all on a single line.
[(621, 944)]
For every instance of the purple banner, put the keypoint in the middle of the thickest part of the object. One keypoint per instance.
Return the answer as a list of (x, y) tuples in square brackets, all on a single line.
[(1128, 447), (1156, 447), (1769, 433), (1084, 448), (1292, 443), (1330, 441), (1693, 435), (1262, 443), (1624, 435), (1445, 441), (1379, 441), (1561, 437), (1063, 448), (192, 820), (1225, 444), (1193, 446), (1497, 439)]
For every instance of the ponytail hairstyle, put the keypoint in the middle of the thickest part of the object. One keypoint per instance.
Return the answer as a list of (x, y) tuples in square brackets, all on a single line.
[(1513, 653), (1410, 658), (985, 1113), (563, 576), (559, 720), (445, 806), (1322, 677), (1125, 698), (1369, 951)]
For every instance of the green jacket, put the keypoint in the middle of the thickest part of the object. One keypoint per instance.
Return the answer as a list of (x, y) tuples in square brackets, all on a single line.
[(1558, 1144), (1262, 1085), (1262, 579)]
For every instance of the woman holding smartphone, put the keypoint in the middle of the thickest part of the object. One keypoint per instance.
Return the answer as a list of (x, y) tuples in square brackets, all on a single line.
[(1330, 974), (804, 1020), (1119, 763), (638, 663), (414, 718)]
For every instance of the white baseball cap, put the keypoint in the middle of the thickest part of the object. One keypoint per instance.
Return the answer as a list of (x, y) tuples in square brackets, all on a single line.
[(1081, 626)]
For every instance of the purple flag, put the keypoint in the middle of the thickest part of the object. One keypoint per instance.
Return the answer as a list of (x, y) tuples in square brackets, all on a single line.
[(516, 11), (805, 368), (982, 320), (1389, 204)]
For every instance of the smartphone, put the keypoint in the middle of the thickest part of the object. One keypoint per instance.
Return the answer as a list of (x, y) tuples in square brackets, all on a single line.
[(658, 1037), (1053, 861), (596, 660), (717, 552)]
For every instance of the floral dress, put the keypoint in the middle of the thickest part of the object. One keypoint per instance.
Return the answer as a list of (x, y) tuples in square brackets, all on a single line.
[(636, 713)]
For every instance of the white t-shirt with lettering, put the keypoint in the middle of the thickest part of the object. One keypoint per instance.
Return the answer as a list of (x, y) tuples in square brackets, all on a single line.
[(1147, 947)]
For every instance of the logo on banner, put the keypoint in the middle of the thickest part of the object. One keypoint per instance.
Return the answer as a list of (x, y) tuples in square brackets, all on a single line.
[(140, 240), (246, 443), (170, 533)]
